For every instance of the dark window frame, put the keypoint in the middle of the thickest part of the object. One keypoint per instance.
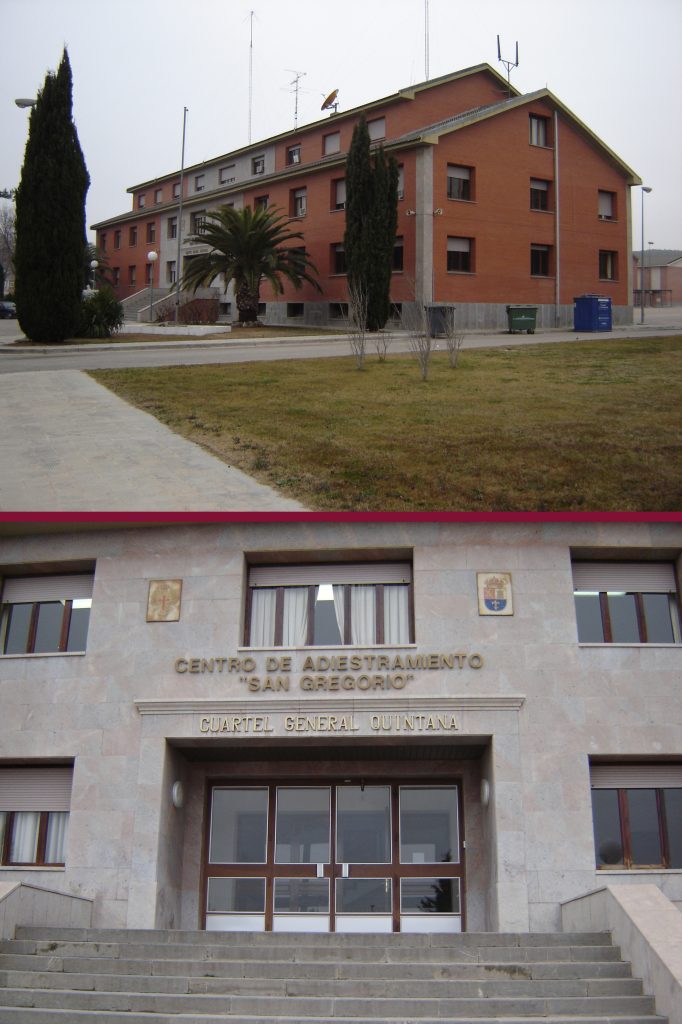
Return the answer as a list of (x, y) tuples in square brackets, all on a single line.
[(40, 846), (608, 265), (540, 260), (539, 197), (627, 863), (607, 628), (460, 189), (32, 632)]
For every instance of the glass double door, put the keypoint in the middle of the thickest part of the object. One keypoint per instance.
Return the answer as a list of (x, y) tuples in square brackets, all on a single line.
[(337, 857)]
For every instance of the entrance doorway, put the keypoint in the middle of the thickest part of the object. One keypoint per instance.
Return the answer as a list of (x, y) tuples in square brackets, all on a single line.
[(380, 857)]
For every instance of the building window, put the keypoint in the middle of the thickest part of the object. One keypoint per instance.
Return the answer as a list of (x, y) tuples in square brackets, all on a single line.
[(117, 239), (329, 605), (540, 260), (338, 310), (226, 175), (377, 129), (176, 190), (103, 241), (151, 231), (132, 236), (401, 182), (116, 272), (149, 273), (539, 130), (338, 261), (172, 227), (158, 196), (460, 182), (258, 165), (45, 614), (460, 255), (198, 222), (261, 202), (34, 814), (295, 310), (293, 155), (608, 265), (199, 182), (626, 602), (607, 205), (398, 255), (539, 194), (331, 143), (142, 201), (132, 276), (339, 194), (637, 815), (299, 202), (171, 272)]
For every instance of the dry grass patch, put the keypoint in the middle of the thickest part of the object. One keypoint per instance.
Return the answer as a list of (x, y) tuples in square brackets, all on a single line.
[(593, 425)]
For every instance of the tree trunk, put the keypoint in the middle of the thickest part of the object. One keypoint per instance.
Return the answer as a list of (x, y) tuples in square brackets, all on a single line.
[(247, 303)]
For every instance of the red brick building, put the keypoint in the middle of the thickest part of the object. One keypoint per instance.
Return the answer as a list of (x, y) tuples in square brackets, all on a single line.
[(504, 198)]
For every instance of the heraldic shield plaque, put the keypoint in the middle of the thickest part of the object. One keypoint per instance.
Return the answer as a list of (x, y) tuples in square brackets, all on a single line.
[(495, 593)]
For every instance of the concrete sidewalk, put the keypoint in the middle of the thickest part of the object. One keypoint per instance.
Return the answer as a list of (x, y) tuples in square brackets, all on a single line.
[(68, 444)]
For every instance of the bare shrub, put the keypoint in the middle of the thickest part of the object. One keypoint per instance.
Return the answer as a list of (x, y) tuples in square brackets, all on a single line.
[(382, 341), (356, 322), (199, 311), (453, 337), (415, 322)]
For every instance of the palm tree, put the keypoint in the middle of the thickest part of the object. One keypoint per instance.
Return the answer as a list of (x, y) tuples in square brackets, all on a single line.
[(248, 246)]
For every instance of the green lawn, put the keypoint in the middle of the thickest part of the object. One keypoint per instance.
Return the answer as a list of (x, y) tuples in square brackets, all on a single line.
[(585, 426)]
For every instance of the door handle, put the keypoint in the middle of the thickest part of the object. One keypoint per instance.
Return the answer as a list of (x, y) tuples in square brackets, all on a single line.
[(344, 871)]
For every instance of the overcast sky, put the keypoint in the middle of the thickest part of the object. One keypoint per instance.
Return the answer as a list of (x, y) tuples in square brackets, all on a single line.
[(136, 63)]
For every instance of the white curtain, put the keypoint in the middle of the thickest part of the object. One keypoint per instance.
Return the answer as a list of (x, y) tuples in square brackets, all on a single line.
[(263, 602), (295, 625), (57, 831), (340, 607), (24, 846), (363, 614), (396, 615)]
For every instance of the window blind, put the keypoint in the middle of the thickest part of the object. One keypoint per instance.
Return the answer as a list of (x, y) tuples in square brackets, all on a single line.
[(637, 577), (28, 589), (459, 244), (36, 788), (636, 776), (306, 575)]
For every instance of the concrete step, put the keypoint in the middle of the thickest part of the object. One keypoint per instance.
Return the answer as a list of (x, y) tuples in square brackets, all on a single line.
[(304, 1007), (23, 1015)]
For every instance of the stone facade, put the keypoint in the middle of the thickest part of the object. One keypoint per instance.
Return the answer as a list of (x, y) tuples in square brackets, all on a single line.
[(522, 705)]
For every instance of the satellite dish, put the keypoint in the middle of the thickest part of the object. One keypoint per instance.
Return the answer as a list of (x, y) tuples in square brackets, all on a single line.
[(330, 101)]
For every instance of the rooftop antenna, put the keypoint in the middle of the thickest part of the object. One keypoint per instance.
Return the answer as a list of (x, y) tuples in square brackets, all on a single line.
[(509, 64), (251, 16), (298, 75), (426, 40), (331, 101)]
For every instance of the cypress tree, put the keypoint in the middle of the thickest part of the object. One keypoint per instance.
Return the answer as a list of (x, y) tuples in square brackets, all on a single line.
[(371, 222), (50, 216)]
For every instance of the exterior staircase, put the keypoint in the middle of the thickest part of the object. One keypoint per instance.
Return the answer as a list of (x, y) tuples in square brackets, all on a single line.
[(138, 302), (85, 976)]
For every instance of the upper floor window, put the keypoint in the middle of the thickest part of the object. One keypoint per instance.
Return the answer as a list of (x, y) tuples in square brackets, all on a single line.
[(142, 201), (103, 241), (377, 129), (158, 195), (171, 272), (539, 194), (132, 236), (117, 239), (401, 182), (398, 262), (34, 814), (338, 258), (539, 130), (607, 205), (329, 605), (258, 165), (261, 202), (339, 194), (151, 231), (299, 202), (637, 815), (294, 155), (460, 182), (172, 231), (626, 602), (132, 276), (226, 174), (176, 190), (199, 182), (198, 222), (45, 614), (540, 260), (331, 143)]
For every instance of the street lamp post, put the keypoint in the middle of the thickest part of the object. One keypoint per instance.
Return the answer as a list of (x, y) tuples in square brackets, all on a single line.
[(647, 189), (93, 267), (152, 257)]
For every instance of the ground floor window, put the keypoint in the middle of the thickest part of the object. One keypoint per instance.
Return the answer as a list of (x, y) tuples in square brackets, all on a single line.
[(34, 814), (329, 605), (637, 815), (540, 260)]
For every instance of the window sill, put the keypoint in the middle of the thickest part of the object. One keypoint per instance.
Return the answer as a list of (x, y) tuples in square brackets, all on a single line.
[(455, 199), (542, 277), (348, 648), (619, 872), (608, 280), (608, 646), (54, 868), (533, 209), (45, 654), (463, 273)]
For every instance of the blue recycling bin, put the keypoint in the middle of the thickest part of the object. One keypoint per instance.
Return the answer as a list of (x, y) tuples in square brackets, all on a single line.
[(592, 313)]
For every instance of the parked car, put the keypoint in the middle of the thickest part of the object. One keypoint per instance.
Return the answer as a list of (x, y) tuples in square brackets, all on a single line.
[(8, 311)]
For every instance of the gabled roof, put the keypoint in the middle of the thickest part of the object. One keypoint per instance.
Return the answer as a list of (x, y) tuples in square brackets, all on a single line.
[(659, 257), (430, 134)]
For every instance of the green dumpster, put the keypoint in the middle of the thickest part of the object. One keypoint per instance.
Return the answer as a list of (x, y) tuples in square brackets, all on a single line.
[(521, 318)]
